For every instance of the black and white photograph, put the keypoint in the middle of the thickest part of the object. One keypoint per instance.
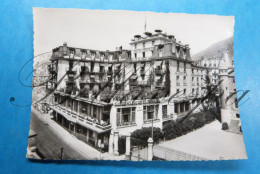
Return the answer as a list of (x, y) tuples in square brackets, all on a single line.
[(137, 86)]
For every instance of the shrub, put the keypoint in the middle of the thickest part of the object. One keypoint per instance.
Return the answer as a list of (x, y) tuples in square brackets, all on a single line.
[(140, 136), (224, 126), (174, 129)]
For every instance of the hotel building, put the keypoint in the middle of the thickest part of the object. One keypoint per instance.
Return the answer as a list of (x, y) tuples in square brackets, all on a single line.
[(98, 93)]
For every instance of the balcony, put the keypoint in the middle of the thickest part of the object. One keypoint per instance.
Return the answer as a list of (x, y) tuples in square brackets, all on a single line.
[(117, 71), (160, 84), (84, 81), (159, 72), (132, 82), (94, 73), (52, 69), (142, 72), (70, 82), (144, 83), (109, 73), (70, 71)]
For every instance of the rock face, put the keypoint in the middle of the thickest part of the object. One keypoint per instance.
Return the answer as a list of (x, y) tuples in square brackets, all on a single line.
[(216, 50)]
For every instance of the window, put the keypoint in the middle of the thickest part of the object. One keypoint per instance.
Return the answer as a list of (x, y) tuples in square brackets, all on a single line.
[(164, 111), (152, 43), (135, 46), (192, 70), (236, 103), (184, 92), (125, 116), (150, 112), (135, 55), (178, 66), (184, 66), (143, 44), (143, 54)]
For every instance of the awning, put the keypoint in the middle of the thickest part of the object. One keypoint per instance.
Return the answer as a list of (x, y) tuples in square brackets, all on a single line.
[(134, 76)]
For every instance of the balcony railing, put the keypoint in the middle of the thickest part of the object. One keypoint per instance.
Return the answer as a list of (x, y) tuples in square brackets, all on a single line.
[(142, 72), (145, 83), (84, 118), (159, 71), (70, 71), (109, 72), (132, 82), (70, 82), (52, 69)]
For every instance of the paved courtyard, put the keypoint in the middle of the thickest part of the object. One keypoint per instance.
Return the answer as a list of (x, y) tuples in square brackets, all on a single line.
[(210, 142)]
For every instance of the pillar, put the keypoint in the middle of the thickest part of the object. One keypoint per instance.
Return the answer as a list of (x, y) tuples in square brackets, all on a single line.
[(127, 147), (116, 135), (150, 149), (62, 121), (56, 116), (111, 142), (87, 135)]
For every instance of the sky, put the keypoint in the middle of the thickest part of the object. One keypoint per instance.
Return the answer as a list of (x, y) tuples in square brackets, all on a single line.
[(108, 29)]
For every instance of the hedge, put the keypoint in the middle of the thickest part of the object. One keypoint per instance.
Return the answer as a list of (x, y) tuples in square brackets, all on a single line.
[(174, 129), (140, 136)]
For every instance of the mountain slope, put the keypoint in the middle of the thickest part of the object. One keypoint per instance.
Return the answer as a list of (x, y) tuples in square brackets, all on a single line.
[(216, 50)]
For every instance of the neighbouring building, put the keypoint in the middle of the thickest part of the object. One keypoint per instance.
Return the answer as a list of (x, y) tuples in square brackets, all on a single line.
[(229, 108), (96, 93)]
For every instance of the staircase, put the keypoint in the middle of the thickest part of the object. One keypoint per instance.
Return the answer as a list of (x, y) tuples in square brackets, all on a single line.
[(234, 126)]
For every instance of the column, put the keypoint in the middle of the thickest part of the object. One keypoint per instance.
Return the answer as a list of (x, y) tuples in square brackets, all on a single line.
[(150, 149), (96, 139), (111, 142), (62, 121), (87, 135), (116, 135), (127, 147), (56, 116), (78, 107)]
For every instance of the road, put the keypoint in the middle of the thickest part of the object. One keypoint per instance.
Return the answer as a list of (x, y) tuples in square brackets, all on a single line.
[(49, 143)]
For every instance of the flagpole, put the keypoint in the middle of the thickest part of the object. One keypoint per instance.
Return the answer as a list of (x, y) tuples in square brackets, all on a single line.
[(145, 23)]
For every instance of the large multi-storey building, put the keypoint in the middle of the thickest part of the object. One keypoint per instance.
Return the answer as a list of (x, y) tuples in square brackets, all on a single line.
[(124, 90)]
